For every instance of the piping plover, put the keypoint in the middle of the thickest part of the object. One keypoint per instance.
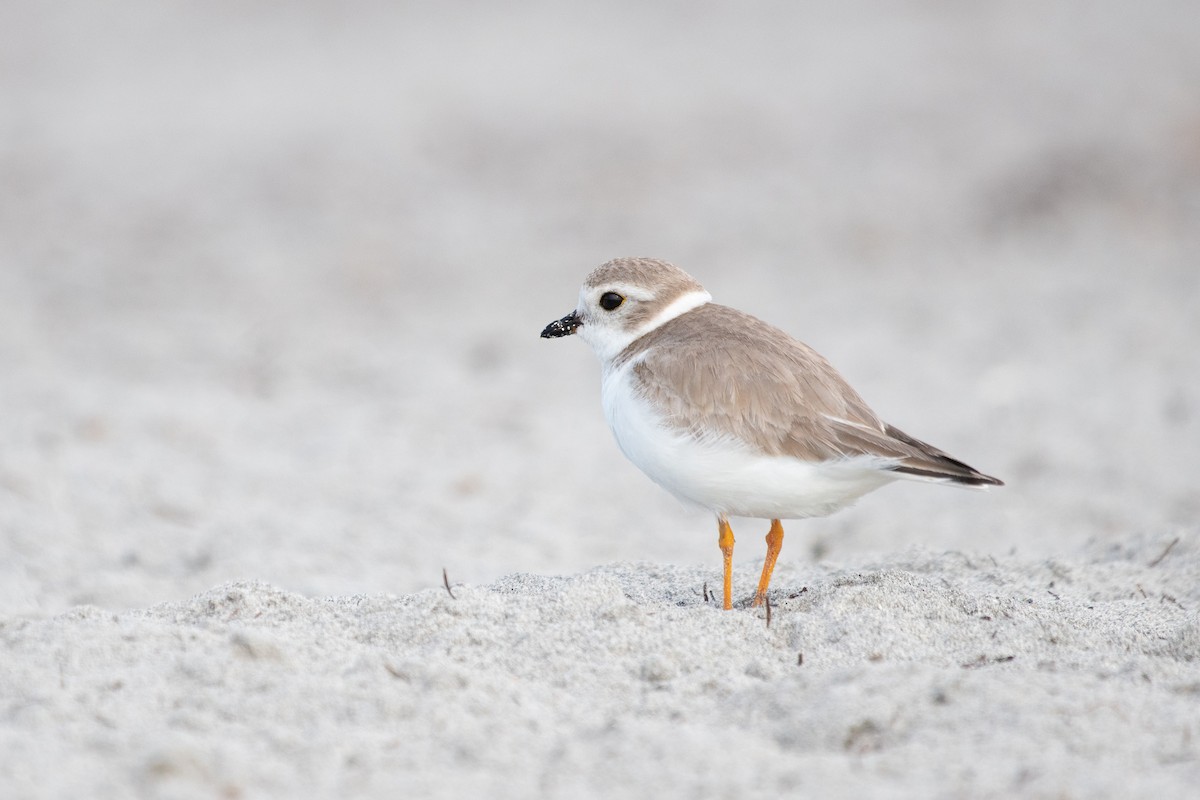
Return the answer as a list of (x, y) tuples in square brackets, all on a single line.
[(731, 414)]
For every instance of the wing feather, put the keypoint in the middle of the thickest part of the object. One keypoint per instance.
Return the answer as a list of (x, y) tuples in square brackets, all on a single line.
[(750, 382)]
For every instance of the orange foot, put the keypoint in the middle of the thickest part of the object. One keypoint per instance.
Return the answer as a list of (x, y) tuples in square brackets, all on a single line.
[(774, 545), (725, 540)]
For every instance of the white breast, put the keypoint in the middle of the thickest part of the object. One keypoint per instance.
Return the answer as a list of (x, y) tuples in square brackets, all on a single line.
[(727, 476)]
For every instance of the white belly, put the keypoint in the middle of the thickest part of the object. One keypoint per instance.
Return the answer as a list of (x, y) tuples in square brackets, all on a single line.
[(727, 476)]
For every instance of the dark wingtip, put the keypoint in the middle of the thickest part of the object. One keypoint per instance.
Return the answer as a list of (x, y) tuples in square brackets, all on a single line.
[(980, 480), (964, 478), (937, 464)]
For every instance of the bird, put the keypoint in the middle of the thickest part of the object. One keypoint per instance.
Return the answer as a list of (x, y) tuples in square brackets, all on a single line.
[(733, 415)]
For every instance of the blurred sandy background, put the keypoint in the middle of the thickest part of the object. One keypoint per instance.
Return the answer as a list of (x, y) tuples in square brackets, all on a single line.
[(271, 282), (272, 274)]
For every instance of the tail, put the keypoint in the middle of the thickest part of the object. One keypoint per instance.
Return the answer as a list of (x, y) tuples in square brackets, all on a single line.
[(929, 462)]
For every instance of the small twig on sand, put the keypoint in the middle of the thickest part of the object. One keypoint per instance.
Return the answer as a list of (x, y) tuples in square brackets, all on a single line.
[(446, 583), (1163, 554), (984, 661), (705, 590), (768, 611)]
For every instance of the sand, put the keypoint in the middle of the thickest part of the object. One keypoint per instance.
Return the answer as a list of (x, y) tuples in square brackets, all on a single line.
[(271, 280)]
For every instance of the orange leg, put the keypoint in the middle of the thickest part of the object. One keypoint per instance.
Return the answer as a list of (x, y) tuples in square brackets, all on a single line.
[(725, 540), (774, 545)]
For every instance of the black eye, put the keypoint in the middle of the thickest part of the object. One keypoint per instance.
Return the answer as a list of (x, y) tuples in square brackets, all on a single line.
[(610, 300)]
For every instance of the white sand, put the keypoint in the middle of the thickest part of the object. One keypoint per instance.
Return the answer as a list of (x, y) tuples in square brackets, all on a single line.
[(270, 287)]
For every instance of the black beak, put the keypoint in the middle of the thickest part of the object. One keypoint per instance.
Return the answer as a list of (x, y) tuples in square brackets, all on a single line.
[(562, 327)]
